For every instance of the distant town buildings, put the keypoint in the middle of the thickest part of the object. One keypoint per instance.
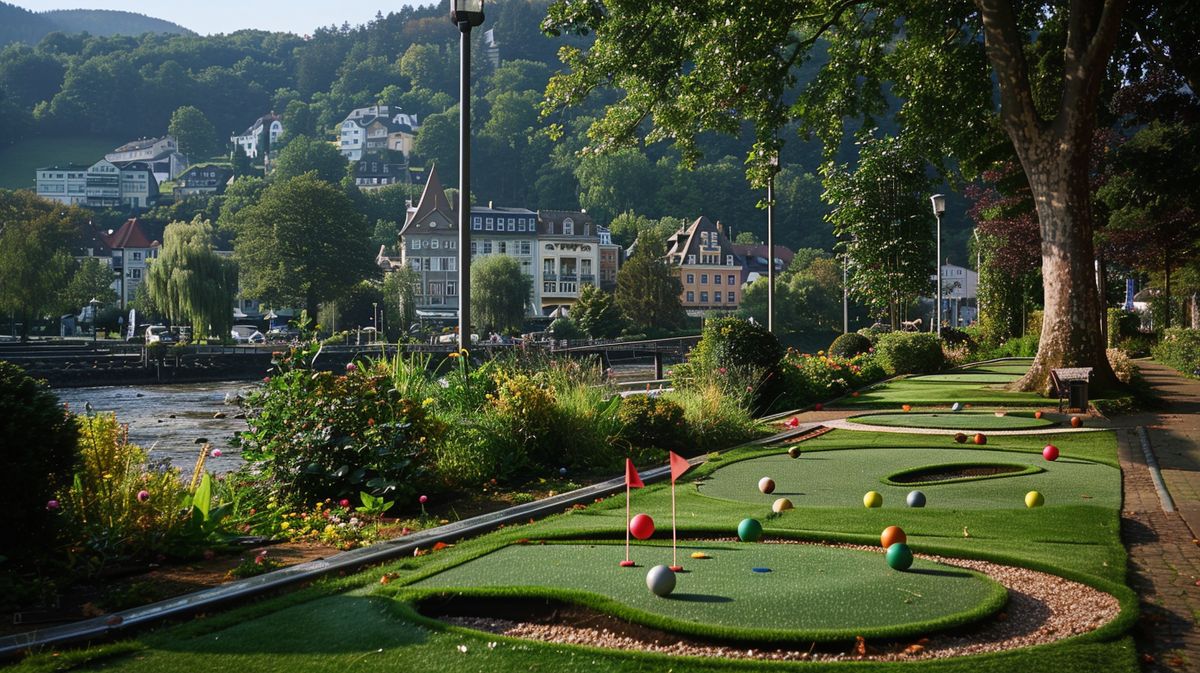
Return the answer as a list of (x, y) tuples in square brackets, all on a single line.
[(709, 269), (132, 251), (208, 179), (960, 287), (160, 154), (754, 259), (371, 130), (248, 141)]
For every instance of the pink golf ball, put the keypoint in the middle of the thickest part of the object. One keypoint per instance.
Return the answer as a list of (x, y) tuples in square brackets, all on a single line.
[(1050, 452)]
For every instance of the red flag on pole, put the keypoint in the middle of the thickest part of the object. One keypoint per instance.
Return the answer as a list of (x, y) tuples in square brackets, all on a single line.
[(679, 465), (632, 478)]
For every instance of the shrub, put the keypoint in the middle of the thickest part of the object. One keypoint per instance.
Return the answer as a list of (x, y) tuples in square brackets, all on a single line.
[(817, 378), (118, 507), (316, 434), (1179, 348), (875, 331), (565, 328), (848, 345), (652, 422), (1122, 325), (909, 353), (39, 453), (527, 414), (735, 345), (718, 414), (1121, 365)]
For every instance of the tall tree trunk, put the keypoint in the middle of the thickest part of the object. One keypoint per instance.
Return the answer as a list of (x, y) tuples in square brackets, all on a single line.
[(1071, 335), (1196, 310), (1167, 288), (1055, 154)]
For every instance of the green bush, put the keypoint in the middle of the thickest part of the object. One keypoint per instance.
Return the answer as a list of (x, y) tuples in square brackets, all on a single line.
[(718, 414), (819, 378), (909, 353), (316, 435), (875, 331), (565, 328), (652, 422), (39, 451), (848, 345), (735, 345), (1179, 348), (1122, 325)]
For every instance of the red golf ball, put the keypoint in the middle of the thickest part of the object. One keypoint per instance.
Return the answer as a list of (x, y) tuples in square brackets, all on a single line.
[(641, 526), (1050, 452)]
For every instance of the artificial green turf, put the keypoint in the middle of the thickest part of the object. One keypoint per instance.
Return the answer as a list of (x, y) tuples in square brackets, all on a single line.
[(840, 478), (1012, 366), (917, 393), (813, 592), (339, 626), (974, 421), (967, 377)]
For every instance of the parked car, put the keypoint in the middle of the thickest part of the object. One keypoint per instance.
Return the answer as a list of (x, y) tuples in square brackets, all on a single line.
[(159, 334), (282, 334)]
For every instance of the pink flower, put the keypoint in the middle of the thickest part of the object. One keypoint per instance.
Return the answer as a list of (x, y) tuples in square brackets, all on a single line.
[(216, 453), (266, 379), (405, 531), (350, 366), (792, 422), (423, 499), (344, 502), (143, 496), (52, 505), (721, 370)]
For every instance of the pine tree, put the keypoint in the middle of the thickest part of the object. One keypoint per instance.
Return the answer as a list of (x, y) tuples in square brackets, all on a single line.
[(647, 288), (597, 313)]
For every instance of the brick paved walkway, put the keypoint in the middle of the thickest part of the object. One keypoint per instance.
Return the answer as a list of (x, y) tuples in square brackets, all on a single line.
[(1164, 559)]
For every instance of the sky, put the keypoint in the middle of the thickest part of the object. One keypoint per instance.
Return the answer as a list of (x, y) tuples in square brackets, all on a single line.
[(225, 16)]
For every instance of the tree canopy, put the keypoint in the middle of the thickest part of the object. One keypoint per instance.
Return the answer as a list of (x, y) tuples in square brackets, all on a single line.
[(499, 293), (190, 282), (35, 263), (302, 244), (648, 288)]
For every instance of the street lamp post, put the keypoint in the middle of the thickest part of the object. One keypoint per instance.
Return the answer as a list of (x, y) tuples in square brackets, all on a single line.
[(771, 243), (94, 304), (978, 273), (466, 14), (939, 207), (845, 293)]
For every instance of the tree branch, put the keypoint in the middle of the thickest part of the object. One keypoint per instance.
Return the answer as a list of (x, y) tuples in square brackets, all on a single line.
[(1007, 56)]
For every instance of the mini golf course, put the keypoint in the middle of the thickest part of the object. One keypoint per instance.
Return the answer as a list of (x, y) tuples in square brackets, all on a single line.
[(972, 421), (754, 593)]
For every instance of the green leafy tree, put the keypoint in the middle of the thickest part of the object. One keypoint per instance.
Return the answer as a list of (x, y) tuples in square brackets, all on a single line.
[(965, 72), (302, 244), (242, 167), (437, 143), (191, 282), (648, 289), (35, 264), (747, 238), (400, 298), (596, 313), (304, 154), (882, 209), (299, 119), (91, 280), (499, 293), (242, 193), (195, 134), (428, 66), (1154, 221)]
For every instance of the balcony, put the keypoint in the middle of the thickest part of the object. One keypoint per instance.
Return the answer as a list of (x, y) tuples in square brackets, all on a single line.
[(587, 278), (546, 275)]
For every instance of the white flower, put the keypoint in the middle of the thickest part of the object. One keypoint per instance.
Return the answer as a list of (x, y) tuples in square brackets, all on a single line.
[(462, 648)]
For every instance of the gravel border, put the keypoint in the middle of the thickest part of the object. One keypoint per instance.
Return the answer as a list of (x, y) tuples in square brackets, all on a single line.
[(1042, 608)]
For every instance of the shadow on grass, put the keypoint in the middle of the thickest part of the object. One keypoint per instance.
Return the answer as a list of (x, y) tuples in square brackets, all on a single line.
[(701, 598)]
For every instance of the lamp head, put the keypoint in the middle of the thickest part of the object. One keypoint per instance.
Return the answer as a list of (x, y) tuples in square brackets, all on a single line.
[(468, 11), (939, 204)]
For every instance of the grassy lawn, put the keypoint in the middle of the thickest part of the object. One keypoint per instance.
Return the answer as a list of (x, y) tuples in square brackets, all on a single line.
[(19, 162), (357, 623)]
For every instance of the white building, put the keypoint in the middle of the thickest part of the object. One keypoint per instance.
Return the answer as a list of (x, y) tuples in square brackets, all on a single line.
[(66, 184), (512, 232), (373, 128), (960, 291), (568, 250), (249, 139), (132, 252), (161, 154), (109, 185)]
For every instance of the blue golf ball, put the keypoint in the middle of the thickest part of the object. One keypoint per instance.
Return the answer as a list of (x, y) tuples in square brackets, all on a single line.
[(916, 499)]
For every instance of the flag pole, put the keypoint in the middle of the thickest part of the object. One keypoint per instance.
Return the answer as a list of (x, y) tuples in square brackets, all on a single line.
[(674, 557), (627, 561)]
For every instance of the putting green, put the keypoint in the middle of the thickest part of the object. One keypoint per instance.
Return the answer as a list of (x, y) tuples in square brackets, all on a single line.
[(973, 421), (967, 377), (812, 592), (839, 478), (1001, 368)]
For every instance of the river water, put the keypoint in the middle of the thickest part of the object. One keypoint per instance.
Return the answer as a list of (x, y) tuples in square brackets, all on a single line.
[(170, 421)]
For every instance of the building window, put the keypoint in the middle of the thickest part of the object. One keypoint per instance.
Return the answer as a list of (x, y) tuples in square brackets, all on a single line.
[(512, 224), (704, 279), (525, 247), (452, 244), (731, 280), (716, 279), (691, 259), (488, 224), (474, 248), (451, 288), (487, 247), (691, 278), (703, 297), (435, 288), (137, 256), (416, 264), (502, 246), (691, 297), (451, 263), (434, 244), (426, 265), (731, 299), (568, 227), (728, 260), (477, 223)]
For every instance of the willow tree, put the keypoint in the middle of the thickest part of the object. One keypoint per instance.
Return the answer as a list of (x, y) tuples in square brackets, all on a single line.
[(191, 282), (965, 73)]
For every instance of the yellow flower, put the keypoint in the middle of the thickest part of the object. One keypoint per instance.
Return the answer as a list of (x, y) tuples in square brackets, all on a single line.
[(454, 355), (285, 525), (427, 401)]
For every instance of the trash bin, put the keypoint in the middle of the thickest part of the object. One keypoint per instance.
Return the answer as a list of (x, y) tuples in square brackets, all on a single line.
[(1078, 396)]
